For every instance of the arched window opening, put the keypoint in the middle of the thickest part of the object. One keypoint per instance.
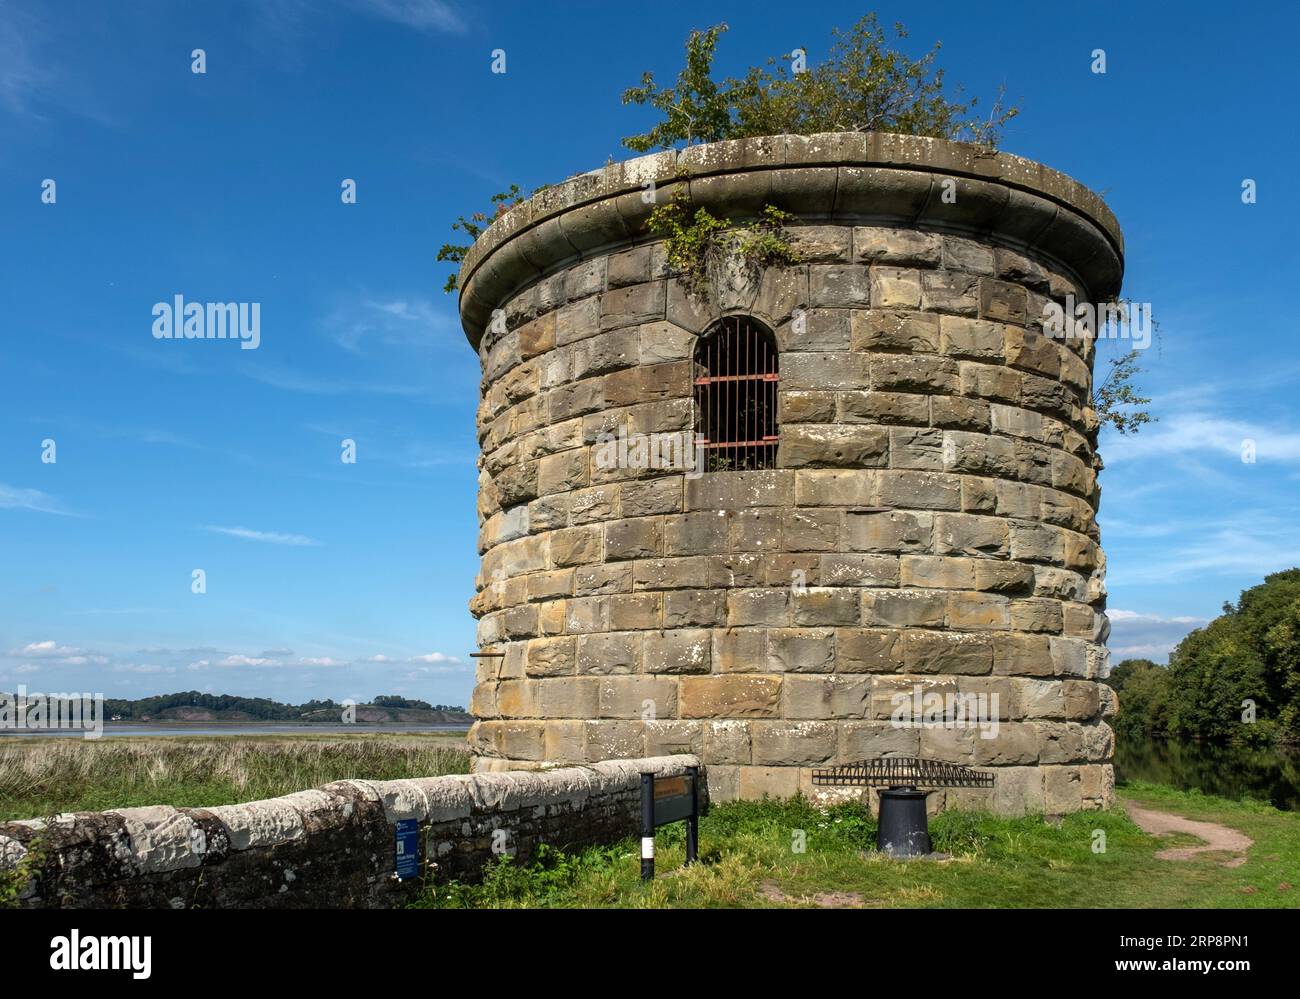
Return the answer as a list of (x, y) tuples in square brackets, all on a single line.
[(735, 396)]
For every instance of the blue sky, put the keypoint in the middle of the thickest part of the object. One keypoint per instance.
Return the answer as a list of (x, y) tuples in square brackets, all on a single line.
[(327, 579)]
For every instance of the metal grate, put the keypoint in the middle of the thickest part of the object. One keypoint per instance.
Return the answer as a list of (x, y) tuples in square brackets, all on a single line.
[(902, 771), (735, 396)]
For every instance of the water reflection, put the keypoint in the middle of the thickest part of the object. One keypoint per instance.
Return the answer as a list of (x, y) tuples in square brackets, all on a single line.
[(1266, 774)]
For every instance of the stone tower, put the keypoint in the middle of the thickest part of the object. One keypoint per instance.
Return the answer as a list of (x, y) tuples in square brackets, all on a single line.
[(916, 516)]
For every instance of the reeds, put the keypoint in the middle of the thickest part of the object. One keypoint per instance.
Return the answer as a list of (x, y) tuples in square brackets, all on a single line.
[(62, 775)]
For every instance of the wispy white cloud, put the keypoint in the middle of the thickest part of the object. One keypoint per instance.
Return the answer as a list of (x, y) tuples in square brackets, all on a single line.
[(23, 78), (1250, 543), (397, 322), (1137, 635), (292, 381), (143, 668), (1188, 433), (239, 660), (269, 537), (435, 657), (14, 498), (64, 655), (434, 16), (1136, 617)]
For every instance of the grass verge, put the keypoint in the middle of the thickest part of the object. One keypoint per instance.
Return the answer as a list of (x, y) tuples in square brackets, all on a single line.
[(751, 858)]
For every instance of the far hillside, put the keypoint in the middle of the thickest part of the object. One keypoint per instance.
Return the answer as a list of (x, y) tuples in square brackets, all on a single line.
[(193, 706)]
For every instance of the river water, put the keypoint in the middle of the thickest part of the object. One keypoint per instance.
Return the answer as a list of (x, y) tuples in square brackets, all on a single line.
[(1265, 774)]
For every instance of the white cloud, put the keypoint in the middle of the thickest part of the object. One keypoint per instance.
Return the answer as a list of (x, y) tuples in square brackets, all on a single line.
[(49, 648), (422, 15), (1185, 433), (269, 537), (1147, 636), (14, 498), (146, 668), (321, 661), (435, 657), (1136, 617), (293, 381), (399, 322), (22, 79), (64, 654), (238, 660)]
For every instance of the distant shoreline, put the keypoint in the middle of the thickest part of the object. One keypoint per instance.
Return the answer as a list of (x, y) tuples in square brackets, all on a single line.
[(166, 727)]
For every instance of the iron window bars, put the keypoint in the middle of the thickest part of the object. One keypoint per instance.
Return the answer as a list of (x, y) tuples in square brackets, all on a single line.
[(735, 396)]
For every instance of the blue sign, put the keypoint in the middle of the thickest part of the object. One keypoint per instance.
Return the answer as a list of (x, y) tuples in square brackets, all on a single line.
[(408, 848)]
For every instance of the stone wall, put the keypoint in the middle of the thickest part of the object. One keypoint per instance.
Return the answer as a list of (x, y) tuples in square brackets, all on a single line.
[(934, 497), (330, 847)]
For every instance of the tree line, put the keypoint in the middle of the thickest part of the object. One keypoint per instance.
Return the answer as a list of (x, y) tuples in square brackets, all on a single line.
[(261, 708), (1237, 680)]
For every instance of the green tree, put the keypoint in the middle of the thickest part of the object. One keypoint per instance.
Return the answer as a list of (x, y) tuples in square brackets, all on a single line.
[(696, 110), (1143, 690), (864, 85), (1249, 653)]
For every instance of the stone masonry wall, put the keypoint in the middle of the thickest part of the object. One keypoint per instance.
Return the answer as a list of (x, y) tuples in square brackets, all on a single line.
[(641, 612), (329, 847)]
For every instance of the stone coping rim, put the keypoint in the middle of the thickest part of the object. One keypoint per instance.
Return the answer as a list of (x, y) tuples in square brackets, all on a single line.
[(616, 181)]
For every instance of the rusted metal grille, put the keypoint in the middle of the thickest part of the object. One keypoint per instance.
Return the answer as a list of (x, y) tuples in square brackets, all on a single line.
[(902, 771), (735, 396)]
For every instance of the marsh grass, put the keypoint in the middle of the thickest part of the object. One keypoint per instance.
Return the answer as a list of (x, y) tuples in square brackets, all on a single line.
[(42, 777)]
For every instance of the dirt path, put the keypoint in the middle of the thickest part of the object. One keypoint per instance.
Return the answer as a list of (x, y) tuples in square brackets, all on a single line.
[(1217, 838), (823, 900)]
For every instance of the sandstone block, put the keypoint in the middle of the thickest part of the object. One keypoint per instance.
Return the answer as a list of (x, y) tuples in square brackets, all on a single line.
[(832, 445), (732, 696), (616, 652), (792, 743), (800, 650), (886, 329), (686, 650), (896, 246), (644, 697)]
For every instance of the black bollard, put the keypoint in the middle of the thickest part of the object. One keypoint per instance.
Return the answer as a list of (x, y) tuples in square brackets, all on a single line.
[(904, 830), (647, 826), (693, 822)]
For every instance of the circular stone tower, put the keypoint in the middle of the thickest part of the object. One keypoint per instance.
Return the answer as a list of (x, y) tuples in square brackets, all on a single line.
[(889, 546)]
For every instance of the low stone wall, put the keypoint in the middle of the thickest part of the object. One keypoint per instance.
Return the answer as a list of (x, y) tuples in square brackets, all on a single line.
[(333, 846)]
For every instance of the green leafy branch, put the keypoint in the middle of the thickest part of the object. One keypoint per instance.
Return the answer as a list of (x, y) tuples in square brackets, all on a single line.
[(1118, 401), (695, 240), (473, 227), (864, 85)]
